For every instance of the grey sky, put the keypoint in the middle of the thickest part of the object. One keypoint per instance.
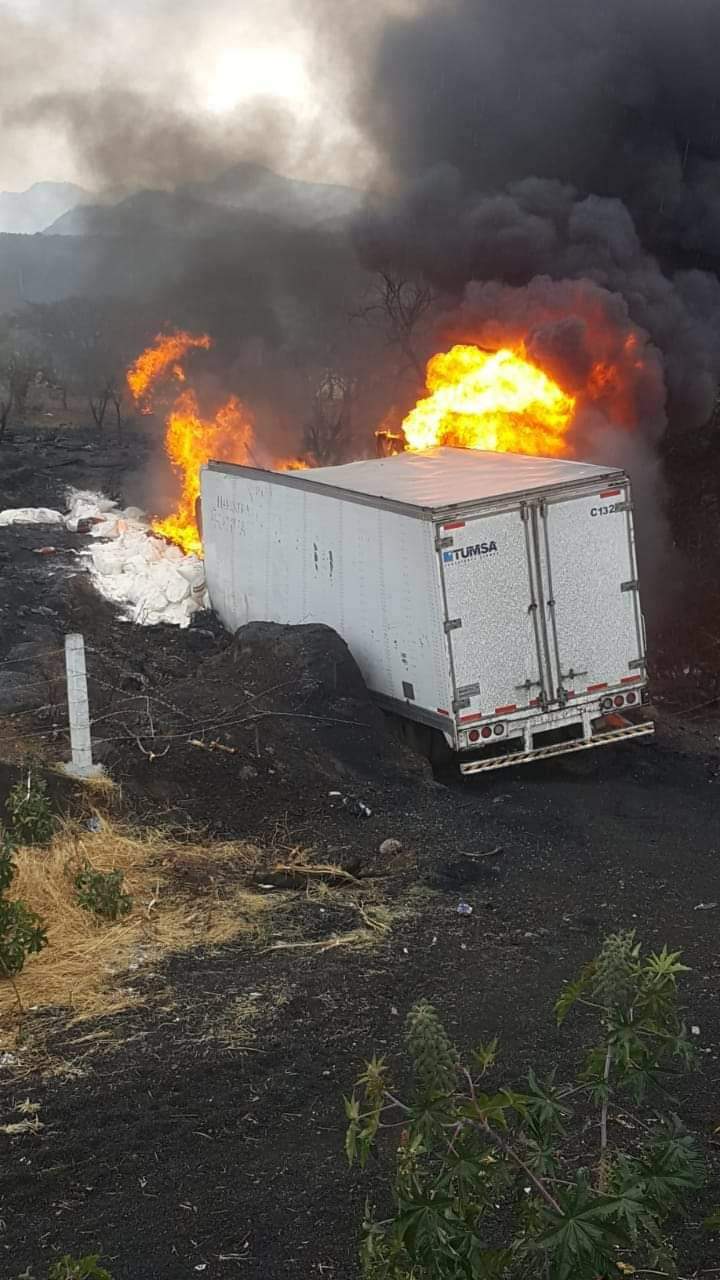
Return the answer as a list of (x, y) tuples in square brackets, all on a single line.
[(273, 78)]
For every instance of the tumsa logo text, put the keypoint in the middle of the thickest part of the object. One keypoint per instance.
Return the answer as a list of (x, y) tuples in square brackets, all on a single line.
[(467, 553)]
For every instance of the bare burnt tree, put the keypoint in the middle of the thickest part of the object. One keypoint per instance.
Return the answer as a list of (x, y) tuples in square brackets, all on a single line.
[(89, 343), (6, 405), (17, 370), (117, 396), (329, 423), (402, 306)]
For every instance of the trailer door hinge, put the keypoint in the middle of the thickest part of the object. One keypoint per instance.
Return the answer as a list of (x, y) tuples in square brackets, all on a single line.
[(623, 506), (452, 624), (460, 704), (637, 664), (442, 543), (632, 585), (572, 674)]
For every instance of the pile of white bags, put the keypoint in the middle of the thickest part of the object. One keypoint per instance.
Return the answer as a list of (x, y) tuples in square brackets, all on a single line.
[(150, 580)]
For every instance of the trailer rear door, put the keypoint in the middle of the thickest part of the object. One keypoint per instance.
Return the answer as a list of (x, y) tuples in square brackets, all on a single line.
[(587, 562), (492, 616)]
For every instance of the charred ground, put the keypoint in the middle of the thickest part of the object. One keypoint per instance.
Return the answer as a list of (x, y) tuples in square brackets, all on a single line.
[(202, 1129)]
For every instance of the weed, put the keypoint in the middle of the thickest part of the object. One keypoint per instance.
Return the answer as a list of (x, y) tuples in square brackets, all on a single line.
[(21, 931), (102, 892), (498, 1184), (79, 1269), (30, 819)]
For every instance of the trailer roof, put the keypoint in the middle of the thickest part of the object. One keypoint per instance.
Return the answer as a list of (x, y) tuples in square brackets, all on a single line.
[(447, 476)]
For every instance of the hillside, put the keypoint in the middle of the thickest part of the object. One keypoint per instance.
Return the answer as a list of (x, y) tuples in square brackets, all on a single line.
[(204, 208)]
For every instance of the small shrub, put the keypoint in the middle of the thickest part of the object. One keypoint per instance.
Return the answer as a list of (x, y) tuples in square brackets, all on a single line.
[(492, 1183), (102, 892), (78, 1269), (29, 815), (21, 930)]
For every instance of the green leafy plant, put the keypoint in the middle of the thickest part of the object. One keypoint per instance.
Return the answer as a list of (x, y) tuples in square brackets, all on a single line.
[(543, 1183), (21, 930), (29, 816), (78, 1269), (102, 892)]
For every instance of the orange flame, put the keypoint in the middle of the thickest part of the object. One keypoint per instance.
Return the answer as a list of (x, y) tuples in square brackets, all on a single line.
[(164, 355), (290, 464), (190, 441), (489, 400)]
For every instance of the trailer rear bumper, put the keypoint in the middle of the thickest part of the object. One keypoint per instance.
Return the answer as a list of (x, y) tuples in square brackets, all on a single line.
[(607, 738)]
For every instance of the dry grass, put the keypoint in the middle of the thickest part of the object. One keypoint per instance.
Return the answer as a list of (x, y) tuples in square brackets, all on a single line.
[(86, 958), (237, 1025)]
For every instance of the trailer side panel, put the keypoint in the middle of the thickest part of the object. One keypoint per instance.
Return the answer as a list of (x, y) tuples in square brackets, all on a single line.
[(292, 555)]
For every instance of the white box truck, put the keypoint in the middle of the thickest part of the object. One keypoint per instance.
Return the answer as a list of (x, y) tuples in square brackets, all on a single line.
[(490, 597)]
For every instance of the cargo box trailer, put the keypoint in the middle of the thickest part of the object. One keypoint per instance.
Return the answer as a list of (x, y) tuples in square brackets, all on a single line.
[(490, 598)]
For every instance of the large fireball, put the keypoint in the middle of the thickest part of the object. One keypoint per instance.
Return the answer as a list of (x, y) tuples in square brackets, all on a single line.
[(489, 400)]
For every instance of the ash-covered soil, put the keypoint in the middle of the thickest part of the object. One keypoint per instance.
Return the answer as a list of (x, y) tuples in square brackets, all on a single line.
[(202, 1133)]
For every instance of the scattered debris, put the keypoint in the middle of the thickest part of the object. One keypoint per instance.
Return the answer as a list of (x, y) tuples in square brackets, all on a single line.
[(28, 1108), (390, 848), (33, 1125), (705, 906), (353, 804), (464, 909)]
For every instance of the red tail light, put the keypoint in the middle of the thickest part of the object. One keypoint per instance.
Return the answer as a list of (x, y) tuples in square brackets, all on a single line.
[(619, 700), (630, 697), (486, 731), (473, 735)]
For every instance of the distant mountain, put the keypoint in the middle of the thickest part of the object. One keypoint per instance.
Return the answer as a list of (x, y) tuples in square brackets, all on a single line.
[(206, 208), (252, 187), (26, 212)]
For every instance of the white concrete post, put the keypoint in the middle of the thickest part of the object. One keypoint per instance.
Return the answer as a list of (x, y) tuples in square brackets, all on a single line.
[(79, 708)]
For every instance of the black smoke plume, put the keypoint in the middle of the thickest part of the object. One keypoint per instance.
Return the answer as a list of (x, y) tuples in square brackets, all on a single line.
[(567, 140)]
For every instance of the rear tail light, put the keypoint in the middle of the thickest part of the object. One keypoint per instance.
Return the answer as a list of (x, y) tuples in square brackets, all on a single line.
[(619, 700), (606, 704), (630, 698), (487, 731)]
